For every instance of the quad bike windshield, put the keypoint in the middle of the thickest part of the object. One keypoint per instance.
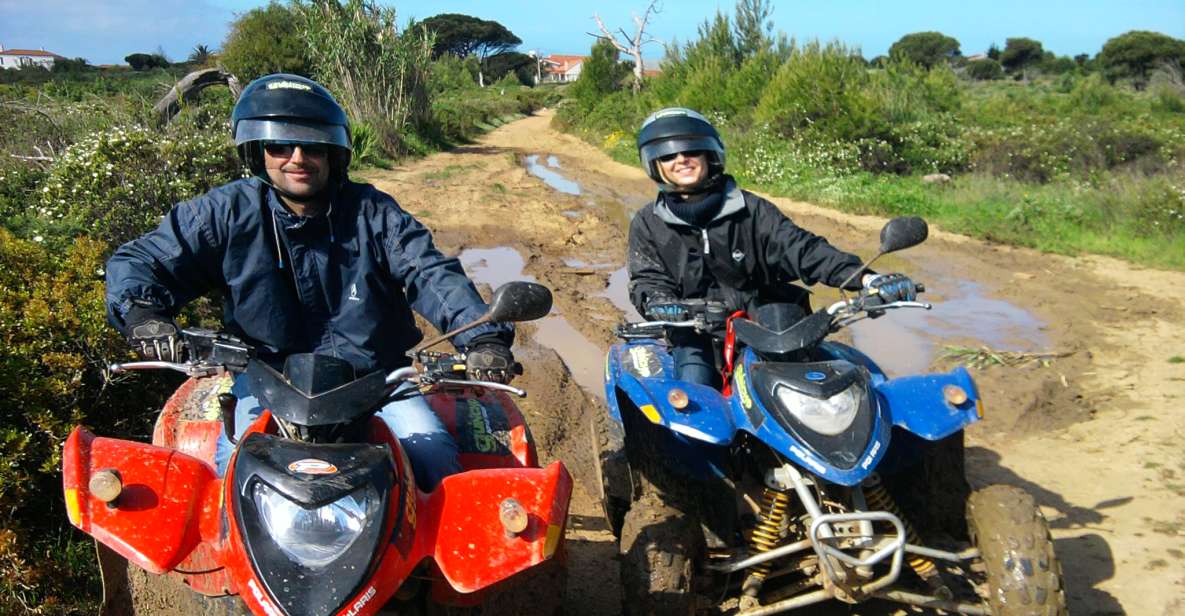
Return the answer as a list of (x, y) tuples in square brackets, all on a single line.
[(315, 390)]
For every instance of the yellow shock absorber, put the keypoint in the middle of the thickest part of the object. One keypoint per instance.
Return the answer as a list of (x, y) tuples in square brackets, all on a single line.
[(879, 499), (766, 536)]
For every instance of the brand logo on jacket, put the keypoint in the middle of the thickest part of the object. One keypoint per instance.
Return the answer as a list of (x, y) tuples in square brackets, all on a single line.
[(354, 293), (738, 256)]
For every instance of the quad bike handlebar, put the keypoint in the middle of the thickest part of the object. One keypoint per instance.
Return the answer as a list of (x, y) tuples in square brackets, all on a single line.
[(710, 316), (212, 353)]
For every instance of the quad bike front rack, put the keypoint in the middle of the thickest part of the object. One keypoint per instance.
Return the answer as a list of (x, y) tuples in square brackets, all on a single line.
[(837, 564)]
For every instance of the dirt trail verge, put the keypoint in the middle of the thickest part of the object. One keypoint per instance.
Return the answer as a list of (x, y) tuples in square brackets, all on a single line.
[(1094, 434)]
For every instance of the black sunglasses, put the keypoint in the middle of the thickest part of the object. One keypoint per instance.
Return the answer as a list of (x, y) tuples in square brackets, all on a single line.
[(688, 154), (285, 150)]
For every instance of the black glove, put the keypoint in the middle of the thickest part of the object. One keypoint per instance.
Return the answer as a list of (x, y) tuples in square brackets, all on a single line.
[(153, 334), (490, 361), (893, 287), (665, 308)]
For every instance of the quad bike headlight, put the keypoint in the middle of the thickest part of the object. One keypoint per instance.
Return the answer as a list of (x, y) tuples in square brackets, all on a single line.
[(830, 416), (314, 537)]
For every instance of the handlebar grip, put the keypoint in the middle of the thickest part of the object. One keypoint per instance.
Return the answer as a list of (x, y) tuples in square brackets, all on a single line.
[(921, 288)]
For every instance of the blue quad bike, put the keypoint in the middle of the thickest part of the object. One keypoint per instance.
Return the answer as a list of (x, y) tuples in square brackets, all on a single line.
[(811, 477)]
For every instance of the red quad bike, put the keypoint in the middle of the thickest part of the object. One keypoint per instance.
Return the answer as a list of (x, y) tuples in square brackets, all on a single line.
[(318, 512)]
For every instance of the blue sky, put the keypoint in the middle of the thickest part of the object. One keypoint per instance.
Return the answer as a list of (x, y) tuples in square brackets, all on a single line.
[(104, 31)]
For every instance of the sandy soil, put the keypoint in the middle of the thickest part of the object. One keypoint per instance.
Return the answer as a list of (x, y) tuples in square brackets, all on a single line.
[(1093, 434)]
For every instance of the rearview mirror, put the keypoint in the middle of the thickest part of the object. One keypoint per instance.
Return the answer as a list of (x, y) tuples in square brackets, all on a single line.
[(903, 232), (520, 301)]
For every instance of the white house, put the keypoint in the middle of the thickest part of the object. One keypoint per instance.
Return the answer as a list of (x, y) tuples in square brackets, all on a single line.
[(561, 69), (16, 58)]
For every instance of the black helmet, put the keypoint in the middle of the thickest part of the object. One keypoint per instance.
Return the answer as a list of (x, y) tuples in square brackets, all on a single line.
[(676, 129), (292, 108)]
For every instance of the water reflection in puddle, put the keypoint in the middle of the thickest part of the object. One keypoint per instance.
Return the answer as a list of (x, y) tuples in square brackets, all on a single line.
[(585, 264), (585, 360), (497, 266), (618, 292), (549, 177), (494, 266), (553, 162), (903, 341)]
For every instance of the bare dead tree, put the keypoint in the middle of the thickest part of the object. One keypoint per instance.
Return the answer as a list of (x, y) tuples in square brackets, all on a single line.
[(187, 89), (632, 45)]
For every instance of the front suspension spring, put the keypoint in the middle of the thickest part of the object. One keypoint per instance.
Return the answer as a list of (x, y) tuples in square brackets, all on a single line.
[(766, 536), (878, 498)]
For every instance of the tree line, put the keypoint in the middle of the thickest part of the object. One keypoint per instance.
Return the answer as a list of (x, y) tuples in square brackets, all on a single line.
[(1133, 56)]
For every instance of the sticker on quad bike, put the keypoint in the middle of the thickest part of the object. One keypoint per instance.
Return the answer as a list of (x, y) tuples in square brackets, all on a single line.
[(643, 362), (482, 427)]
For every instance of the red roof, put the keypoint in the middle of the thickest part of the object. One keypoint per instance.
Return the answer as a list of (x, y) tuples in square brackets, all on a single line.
[(559, 64), (29, 52)]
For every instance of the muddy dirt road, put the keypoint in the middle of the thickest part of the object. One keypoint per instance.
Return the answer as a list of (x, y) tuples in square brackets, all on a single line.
[(1097, 435)]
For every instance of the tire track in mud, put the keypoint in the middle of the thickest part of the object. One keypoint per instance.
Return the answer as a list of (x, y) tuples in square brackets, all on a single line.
[(1093, 435)]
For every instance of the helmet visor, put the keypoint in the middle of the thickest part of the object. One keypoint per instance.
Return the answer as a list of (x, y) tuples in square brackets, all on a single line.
[(291, 130), (655, 150)]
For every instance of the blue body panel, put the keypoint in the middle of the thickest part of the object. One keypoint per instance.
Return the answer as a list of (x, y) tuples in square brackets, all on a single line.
[(642, 372)]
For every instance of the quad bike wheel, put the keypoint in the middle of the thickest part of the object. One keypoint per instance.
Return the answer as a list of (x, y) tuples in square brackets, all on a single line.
[(660, 545), (611, 475), (1024, 577)]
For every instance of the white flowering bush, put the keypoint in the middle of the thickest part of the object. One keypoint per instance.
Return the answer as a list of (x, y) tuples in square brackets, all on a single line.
[(114, 184)]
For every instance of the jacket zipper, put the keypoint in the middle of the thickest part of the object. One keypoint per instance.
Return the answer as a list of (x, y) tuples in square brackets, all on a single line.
[(707, 247)]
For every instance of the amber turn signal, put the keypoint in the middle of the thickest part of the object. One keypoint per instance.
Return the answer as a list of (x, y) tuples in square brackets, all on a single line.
[(954, 394), (678, 398)]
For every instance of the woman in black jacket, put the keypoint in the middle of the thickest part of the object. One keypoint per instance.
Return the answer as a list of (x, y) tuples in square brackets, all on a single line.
[(705, 238)]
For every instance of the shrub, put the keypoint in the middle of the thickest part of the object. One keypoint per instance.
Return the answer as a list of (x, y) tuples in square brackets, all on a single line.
[(266, 40), (822, 86), (53, 344), (600, 75), (366, 148), (743, 90), (452, 74), (1093, 94), (115, 184), (985, 69)]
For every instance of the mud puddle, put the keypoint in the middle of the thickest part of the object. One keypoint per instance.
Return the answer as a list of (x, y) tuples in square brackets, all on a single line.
[(582, 264), (497, 266), (618, 292), (550, 177), (906, 341)]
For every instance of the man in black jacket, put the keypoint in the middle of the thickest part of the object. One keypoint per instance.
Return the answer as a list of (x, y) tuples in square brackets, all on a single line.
[(705, 238), (306, 261)]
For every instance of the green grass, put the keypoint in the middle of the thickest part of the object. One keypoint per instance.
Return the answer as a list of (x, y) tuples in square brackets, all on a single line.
[(448, 172), (1177, 359)]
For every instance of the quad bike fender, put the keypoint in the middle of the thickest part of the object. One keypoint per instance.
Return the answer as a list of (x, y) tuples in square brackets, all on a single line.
[(707, 417), (919, 404), (463, 532), (169, 501)]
